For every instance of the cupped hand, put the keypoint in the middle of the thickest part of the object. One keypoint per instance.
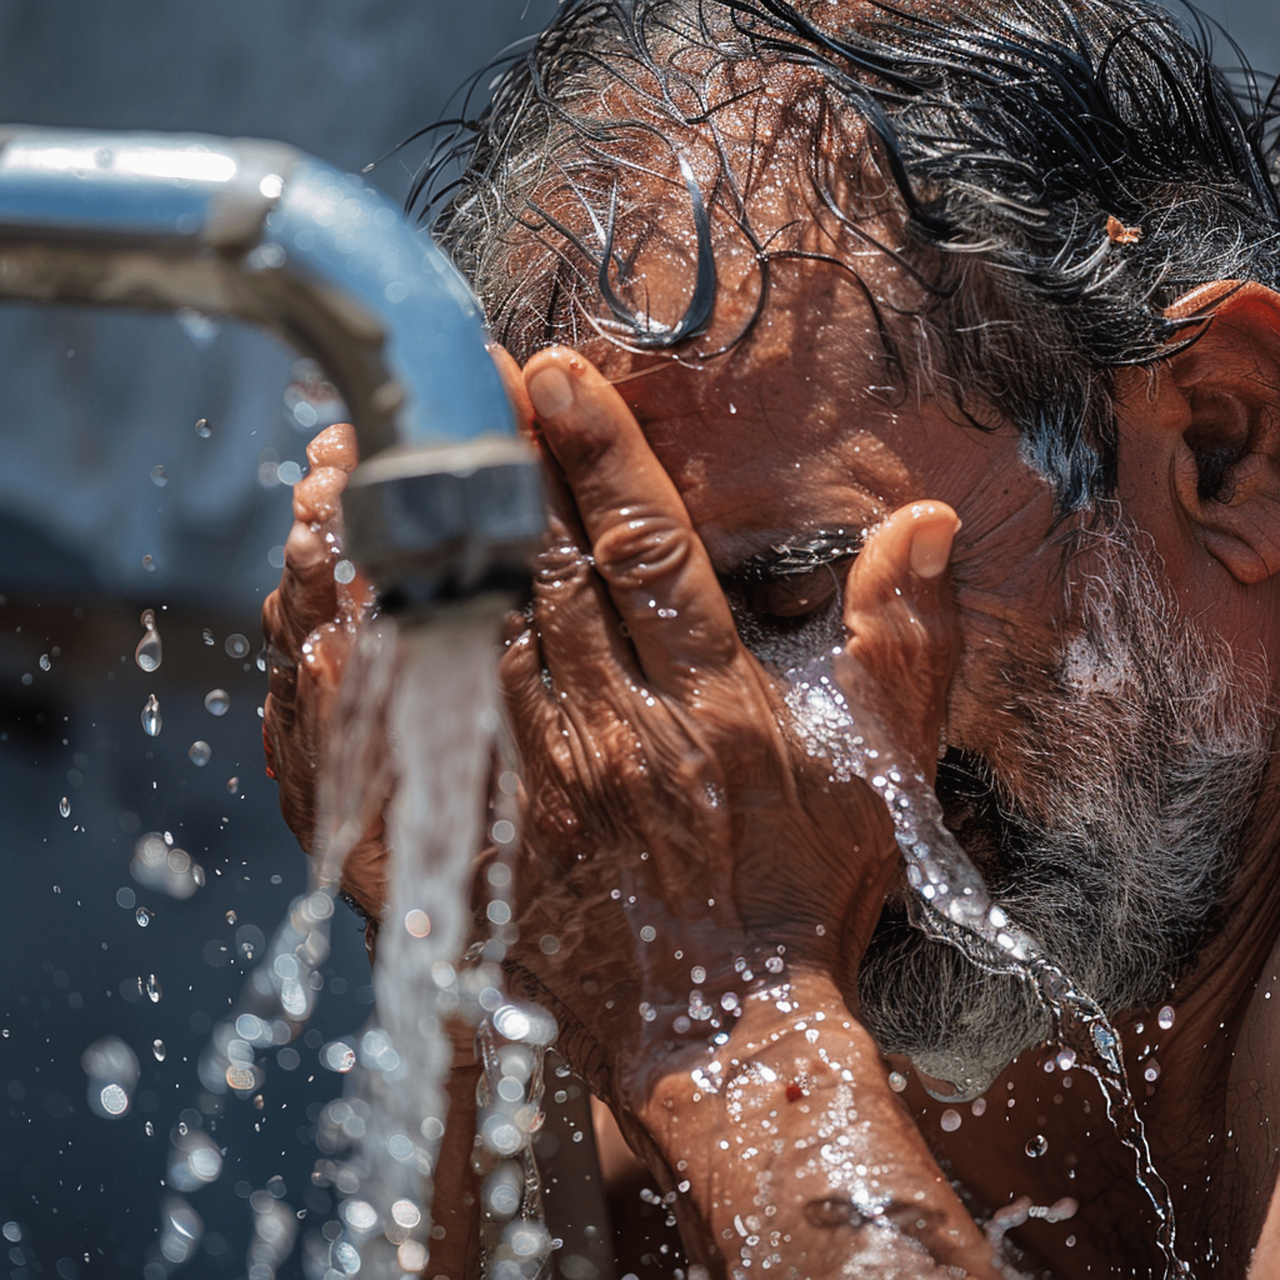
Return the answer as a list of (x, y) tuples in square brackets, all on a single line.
[(310, 623), (680, 846)]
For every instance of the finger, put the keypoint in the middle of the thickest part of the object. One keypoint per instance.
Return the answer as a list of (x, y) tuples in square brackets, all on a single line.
[(335, 446), (905, 640), (586, 646), (306, 597), (513, 384), (657, 571)]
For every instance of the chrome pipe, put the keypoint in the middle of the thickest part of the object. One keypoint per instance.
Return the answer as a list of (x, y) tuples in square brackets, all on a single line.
[(447, 501)]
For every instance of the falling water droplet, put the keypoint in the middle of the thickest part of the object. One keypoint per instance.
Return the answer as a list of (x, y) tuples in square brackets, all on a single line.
[(207, 636), (64, 807), (149, 563), (151, 721), (1165, 1017), (143, 917), (233, 785), (149, 1129), (159, 477), (150, 652), (236, 645), (344, 571), (231, 917), (45, 663), (1037, 1146), (152, 988), (216, 702), (157, 1047), (203, 429), (200, 753)]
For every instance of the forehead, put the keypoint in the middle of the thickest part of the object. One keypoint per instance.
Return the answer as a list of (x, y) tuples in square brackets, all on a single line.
[(805, 427)]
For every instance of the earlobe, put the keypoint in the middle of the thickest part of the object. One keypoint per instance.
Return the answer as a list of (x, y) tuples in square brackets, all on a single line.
[(1226, 463)]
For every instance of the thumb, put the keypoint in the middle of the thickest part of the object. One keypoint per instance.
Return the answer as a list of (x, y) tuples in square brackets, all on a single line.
[(905, 639)]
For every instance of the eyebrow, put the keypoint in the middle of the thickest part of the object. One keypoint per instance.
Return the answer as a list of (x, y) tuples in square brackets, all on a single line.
[(798, 555)]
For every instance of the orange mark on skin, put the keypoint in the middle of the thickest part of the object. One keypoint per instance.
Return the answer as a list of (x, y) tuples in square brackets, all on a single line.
[(1118, 233)]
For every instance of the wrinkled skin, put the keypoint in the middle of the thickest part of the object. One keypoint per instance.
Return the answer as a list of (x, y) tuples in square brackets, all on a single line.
[(661, 777), (661, 780), (772, 445)]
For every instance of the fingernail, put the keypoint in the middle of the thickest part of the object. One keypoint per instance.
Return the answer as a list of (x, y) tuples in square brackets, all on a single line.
[(551, 392), (931, 548)]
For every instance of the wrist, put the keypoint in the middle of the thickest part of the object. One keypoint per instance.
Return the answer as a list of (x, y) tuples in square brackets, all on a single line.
[(786, 1142)]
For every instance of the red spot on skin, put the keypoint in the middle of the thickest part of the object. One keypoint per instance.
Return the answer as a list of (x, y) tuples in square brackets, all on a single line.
[(794, 1093)]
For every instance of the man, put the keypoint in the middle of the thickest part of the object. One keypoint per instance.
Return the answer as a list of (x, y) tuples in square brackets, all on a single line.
[(938, 343)]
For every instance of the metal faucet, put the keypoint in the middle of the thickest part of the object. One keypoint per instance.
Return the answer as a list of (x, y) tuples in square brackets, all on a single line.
[(447, 501)]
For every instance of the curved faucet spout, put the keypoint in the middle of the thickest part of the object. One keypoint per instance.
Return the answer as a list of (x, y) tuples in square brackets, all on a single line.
[(448, 500)]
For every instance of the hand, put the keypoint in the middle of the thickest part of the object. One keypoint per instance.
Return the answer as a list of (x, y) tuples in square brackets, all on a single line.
[(310, 622), (680, 845)]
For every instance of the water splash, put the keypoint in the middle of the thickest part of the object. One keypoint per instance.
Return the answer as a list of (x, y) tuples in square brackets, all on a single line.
[(950, 902), (152, 722), (150, 651), (112, 1068)]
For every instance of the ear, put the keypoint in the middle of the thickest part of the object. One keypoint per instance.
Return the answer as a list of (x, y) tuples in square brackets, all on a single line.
[(1221, 408)]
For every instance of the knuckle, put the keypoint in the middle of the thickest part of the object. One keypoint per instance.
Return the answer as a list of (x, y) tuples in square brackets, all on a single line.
[(559, 561), (641, 551)]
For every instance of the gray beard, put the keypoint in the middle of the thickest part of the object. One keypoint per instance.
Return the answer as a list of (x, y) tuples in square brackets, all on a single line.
[(1140, 760)]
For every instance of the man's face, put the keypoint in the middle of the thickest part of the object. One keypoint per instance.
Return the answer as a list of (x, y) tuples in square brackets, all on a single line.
[(1060, 759)]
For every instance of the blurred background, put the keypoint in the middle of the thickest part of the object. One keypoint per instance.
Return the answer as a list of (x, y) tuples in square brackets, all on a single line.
[(146, 464)]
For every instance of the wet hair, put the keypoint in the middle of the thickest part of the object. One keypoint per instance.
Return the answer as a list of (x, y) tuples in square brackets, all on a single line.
[(1052, 174)]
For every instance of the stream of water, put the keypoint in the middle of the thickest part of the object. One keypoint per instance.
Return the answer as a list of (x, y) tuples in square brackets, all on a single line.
[(416, 723), (951, 903)]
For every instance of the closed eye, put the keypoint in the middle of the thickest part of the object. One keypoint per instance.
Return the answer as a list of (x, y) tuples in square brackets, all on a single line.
[(796, 596)]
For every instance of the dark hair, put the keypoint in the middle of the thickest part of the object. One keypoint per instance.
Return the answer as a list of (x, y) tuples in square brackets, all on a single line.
[(1059, 171)]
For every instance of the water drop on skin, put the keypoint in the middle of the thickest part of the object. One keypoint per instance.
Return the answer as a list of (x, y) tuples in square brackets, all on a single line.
[(151, 721), (200, 753), (1165, 1017), (149, 652), (216, 702), (64, 807), (1037, 1146)]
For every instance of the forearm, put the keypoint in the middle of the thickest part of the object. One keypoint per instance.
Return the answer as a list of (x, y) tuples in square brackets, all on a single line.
[(788, 1145)]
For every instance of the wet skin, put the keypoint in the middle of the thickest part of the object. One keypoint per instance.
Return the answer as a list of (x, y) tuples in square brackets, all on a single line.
[(774, 444)]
